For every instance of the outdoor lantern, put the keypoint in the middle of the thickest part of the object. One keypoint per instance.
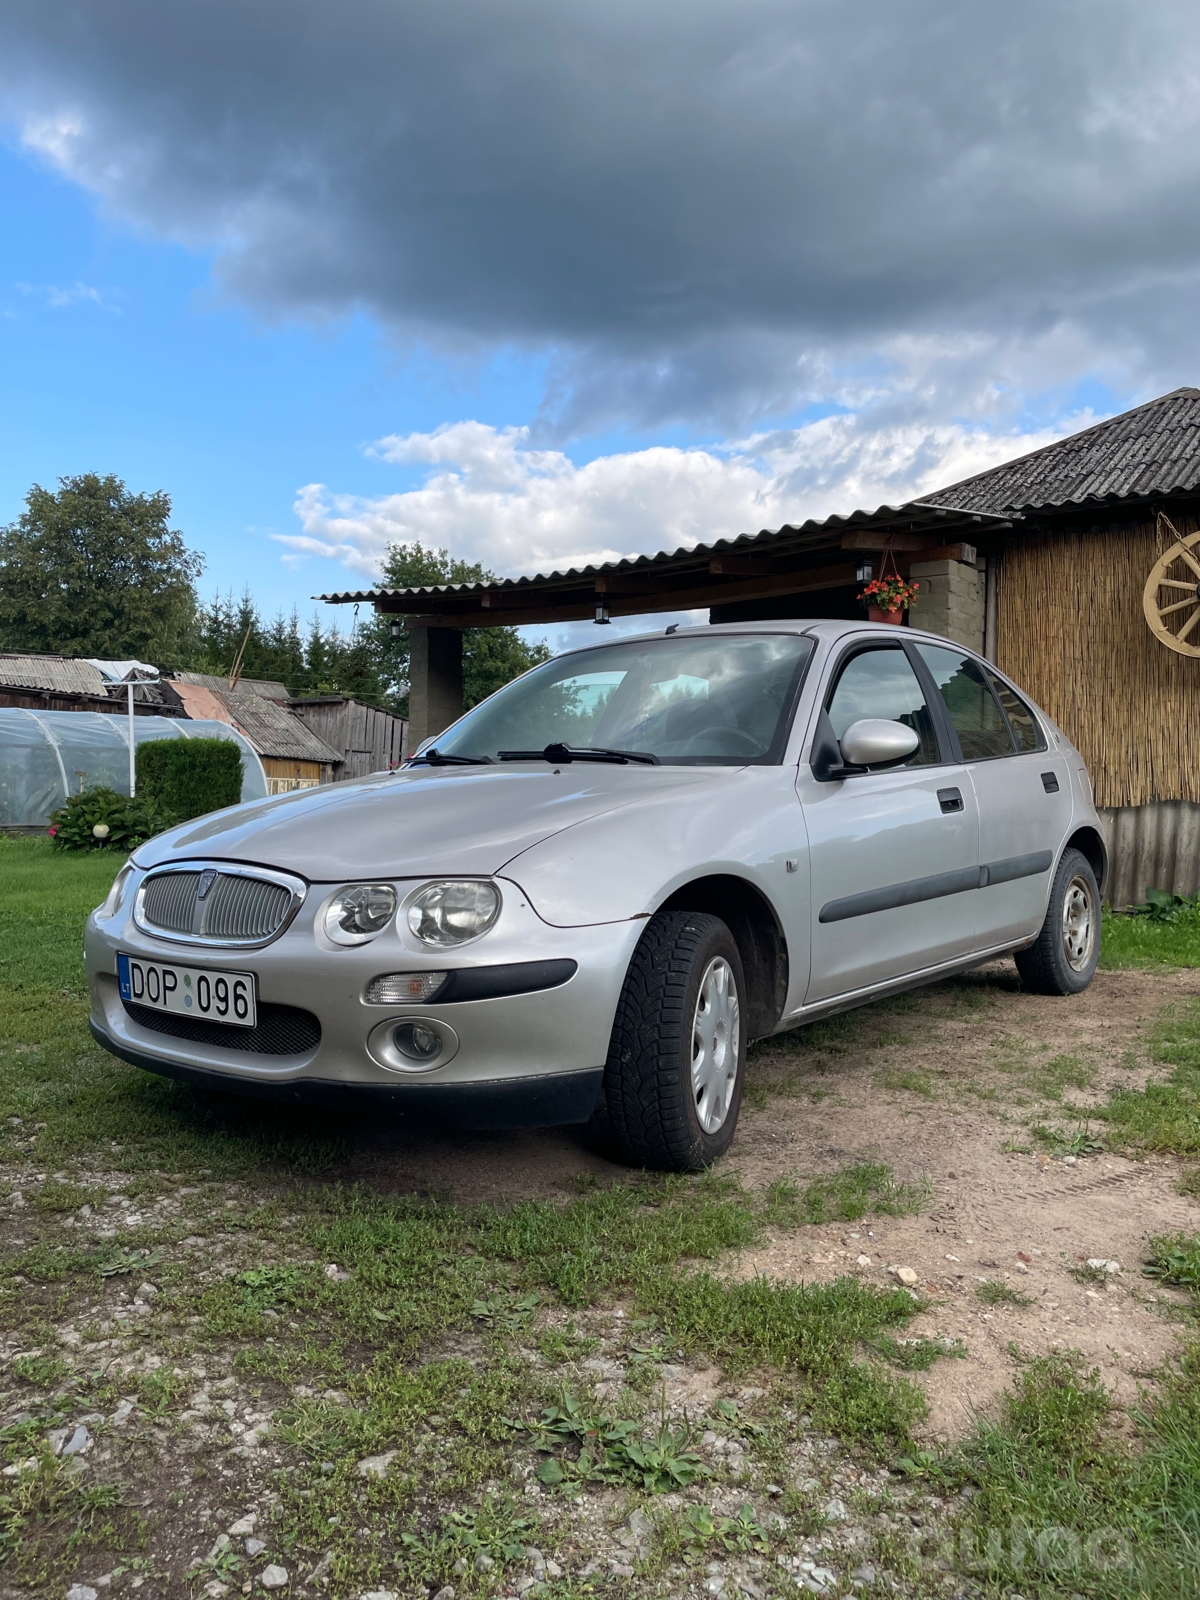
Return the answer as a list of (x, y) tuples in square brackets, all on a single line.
[(394, 629), (602, 611), (866, 571)]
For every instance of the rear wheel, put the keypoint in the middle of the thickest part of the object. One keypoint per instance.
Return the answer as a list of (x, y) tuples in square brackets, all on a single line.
[(1062, 959), (677, 1057)]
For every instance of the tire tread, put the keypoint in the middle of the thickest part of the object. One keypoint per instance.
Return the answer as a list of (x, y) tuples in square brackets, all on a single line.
[(644, 1102)]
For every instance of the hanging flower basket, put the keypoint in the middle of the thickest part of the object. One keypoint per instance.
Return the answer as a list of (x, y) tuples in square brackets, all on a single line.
[(887, 599)]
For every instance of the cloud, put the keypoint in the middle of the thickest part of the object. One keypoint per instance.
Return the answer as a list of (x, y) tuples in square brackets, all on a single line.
[(61, 298), (712, 212), (489, 495)]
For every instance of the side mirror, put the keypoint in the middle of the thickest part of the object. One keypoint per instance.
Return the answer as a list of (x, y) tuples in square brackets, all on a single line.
[(875, 742)]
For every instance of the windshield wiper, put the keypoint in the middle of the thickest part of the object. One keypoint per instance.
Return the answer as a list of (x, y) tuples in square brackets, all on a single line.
[(569, 752), (435, 758)]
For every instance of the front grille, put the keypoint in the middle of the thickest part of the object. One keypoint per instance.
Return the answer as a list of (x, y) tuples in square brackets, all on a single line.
[(210, 906), (171, 901), (279, 1031), (245, 908)]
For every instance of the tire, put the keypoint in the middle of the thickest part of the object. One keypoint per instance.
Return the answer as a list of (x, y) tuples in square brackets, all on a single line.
[(686, 970), (1062, 959)]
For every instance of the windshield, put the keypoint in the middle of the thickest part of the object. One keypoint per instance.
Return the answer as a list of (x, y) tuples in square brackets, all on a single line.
[(725, 700)]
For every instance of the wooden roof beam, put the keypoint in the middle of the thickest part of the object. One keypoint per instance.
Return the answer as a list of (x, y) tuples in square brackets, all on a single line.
[(706, 593)]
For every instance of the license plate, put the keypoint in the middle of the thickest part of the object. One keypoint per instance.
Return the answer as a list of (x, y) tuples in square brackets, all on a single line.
[(188, 991)]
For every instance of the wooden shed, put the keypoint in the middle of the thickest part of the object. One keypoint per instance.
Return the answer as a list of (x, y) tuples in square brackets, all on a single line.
[(293, 756), (1075, 568), (370, 740)]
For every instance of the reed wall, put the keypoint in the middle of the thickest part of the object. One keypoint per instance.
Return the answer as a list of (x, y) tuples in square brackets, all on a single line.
[(1070, 629)]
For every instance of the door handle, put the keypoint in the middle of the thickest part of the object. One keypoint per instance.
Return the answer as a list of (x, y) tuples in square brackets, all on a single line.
[(950, 800), (1050, 782)]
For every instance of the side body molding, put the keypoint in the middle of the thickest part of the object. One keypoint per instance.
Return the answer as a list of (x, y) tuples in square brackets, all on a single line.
[(936, 886)]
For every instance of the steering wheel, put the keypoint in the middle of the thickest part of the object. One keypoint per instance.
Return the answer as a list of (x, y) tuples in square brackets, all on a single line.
[(725, 737)]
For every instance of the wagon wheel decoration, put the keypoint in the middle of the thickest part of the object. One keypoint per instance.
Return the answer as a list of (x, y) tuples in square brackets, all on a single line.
[(1171, 598)]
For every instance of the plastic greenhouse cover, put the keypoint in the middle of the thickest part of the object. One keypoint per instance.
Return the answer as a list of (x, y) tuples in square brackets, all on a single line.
[(46, 755)]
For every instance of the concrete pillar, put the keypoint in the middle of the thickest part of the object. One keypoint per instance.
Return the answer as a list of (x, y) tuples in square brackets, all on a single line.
[(435, 684), (950, 601)]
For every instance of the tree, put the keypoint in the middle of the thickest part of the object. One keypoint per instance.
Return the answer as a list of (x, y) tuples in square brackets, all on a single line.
[(326, 662), (492, 657), (93, 570)]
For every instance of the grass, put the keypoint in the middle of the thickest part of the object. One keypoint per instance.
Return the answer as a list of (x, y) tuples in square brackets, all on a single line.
[(1164, 1116), (1136, 941), (450, 1342), (1062, 1505), (365, 1324)]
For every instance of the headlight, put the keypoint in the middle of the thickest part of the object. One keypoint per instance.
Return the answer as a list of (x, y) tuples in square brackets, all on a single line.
[(359, 913), (451, 913), (114, 897)]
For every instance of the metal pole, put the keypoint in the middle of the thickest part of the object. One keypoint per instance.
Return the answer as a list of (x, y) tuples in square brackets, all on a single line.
[(132, 762)]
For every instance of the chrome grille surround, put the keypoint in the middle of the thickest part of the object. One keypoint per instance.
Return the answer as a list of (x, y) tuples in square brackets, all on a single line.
[(217, 903)]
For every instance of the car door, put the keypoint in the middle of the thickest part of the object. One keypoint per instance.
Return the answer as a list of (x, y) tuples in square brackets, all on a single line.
[(1022, 789), (893, 853)]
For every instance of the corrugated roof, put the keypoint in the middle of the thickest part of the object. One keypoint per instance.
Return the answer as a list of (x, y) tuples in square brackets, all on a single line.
[(275, 731), (271, 729), (51, 672), (1152, 450), (263, 687), (810, 533)]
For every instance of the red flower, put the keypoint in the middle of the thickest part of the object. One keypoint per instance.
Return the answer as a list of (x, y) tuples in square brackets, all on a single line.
[(53, 832)]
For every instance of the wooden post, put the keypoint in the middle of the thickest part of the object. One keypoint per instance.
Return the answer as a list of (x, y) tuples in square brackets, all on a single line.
[(435, 691)]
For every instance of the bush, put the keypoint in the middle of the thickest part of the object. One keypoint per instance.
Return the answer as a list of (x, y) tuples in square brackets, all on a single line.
[(102, 819), (190, 776)]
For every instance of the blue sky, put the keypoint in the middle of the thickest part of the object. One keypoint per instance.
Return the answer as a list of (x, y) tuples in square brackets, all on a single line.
[(118, 355), (551, 287)]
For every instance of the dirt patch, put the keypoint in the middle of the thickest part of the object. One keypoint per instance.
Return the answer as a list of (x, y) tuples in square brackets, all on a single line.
[(942, 1086), (944, 1090)]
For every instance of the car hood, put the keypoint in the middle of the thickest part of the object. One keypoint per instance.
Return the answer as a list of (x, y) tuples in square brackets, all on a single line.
[(421, 822)]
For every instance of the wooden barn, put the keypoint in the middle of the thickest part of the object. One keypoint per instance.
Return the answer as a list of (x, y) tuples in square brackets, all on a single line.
[(1075, 568)]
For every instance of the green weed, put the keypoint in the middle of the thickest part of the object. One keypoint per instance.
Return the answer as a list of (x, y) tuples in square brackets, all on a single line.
[(995, 1292), (1081, 1141), (1175, 1259), (916, 1355), (612, 1450)]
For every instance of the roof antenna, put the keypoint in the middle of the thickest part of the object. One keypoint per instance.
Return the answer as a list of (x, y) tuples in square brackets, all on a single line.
[(673, 627), (235, 671)]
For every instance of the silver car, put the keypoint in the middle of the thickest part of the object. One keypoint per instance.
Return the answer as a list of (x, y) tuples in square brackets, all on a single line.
[(588, 896)]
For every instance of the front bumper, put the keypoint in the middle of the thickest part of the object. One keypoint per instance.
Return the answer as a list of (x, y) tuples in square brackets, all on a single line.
[(550, 1100), (521, 1060)]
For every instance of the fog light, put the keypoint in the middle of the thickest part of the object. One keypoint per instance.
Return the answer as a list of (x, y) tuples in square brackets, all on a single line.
[(394, 988), (417, 1041)]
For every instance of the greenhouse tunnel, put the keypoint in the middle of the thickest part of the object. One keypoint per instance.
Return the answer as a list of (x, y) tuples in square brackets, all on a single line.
[(47, 755)]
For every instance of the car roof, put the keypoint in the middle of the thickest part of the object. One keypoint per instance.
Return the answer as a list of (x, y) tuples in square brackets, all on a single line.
[(824, 629)]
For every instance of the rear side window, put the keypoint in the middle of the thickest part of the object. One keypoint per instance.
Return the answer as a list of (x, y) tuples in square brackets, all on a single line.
[(974, 710), (1021, 719), (881, 683)]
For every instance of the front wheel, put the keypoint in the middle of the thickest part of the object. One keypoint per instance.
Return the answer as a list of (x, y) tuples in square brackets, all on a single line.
[(1062, 959), (677, 1057)]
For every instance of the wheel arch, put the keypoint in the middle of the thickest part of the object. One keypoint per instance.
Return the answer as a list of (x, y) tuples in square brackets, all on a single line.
[(1090, 843), (752, 920)]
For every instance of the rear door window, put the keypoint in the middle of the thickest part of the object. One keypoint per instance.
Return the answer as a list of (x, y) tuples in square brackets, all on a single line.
[(982, 729), (1020, 718)]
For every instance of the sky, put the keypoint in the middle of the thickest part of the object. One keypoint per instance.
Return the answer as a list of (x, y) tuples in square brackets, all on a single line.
[(548, 285)]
